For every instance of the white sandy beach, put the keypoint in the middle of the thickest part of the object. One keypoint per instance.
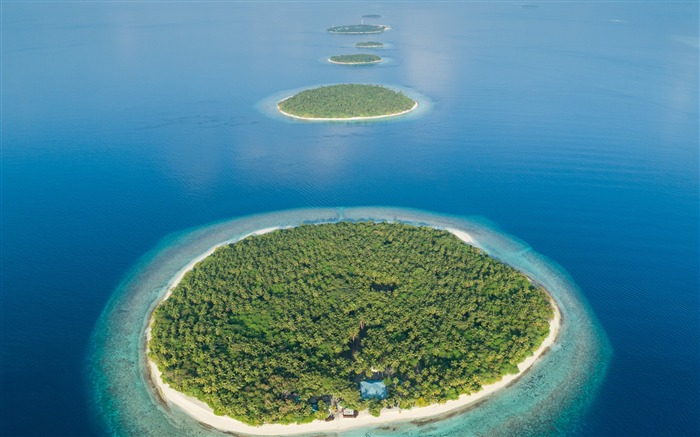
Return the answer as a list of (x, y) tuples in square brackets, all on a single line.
[(373, 117), (201, 411), (360, 33), (176, 280), (355, 63)]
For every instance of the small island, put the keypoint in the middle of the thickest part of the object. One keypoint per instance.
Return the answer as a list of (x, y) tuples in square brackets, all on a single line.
[(318, 322), (369, 45), (357, 59), (347, 102), (355, 29), (372, 16)]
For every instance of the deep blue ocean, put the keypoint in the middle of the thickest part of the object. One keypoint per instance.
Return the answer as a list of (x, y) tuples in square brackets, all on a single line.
[(571, 126)]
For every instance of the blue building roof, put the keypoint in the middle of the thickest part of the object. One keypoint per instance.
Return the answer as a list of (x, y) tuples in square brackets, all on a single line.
[(372, 390)]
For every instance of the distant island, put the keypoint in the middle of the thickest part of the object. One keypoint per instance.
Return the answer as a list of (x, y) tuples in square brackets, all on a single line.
[(358, 28), (358, 59), (369, 45), (347, 102), (372, 16), (319, 322)]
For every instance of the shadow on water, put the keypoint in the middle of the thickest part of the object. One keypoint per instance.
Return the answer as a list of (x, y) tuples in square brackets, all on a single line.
[(551, 398)]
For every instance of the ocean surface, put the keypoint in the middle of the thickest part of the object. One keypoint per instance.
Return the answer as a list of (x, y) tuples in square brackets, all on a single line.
[(565, 134)]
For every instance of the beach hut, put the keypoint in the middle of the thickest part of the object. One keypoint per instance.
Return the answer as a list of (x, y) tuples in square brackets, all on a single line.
[(350, 413)]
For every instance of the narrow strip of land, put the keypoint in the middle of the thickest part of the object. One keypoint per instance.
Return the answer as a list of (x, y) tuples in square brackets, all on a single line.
[(355, 63), (201, 411), (370, 117)]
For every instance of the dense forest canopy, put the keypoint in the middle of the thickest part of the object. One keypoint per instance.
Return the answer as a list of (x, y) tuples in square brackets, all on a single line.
[(357, 28), (264, 325), (347, 101), (369, 45), (355, 59)]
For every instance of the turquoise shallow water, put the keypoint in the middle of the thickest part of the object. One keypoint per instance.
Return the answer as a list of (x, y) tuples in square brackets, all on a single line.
[(551, 398), (572, 125)]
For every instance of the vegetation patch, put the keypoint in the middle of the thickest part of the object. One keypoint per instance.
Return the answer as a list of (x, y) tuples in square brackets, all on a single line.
[(357, 28), (355, 59), (369, 45), (372, 16), (277, 327), (347, 101)]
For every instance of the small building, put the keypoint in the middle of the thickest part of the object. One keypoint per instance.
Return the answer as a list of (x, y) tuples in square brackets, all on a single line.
[(314, 400), (350, 413), (372, 390)]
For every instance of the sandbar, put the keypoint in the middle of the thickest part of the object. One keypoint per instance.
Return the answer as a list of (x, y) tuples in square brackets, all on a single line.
[(204, 414), (355, 63)]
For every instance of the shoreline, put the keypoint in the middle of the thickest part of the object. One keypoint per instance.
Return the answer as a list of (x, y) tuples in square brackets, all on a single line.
[(355, 63), (201, 412), (383, 28), (357, 33), (369, 117)]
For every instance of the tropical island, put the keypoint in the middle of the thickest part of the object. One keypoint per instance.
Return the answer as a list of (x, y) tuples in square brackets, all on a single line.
[(369, 45), (347, 102), (354, 29), (356, 59), (322, 321)]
